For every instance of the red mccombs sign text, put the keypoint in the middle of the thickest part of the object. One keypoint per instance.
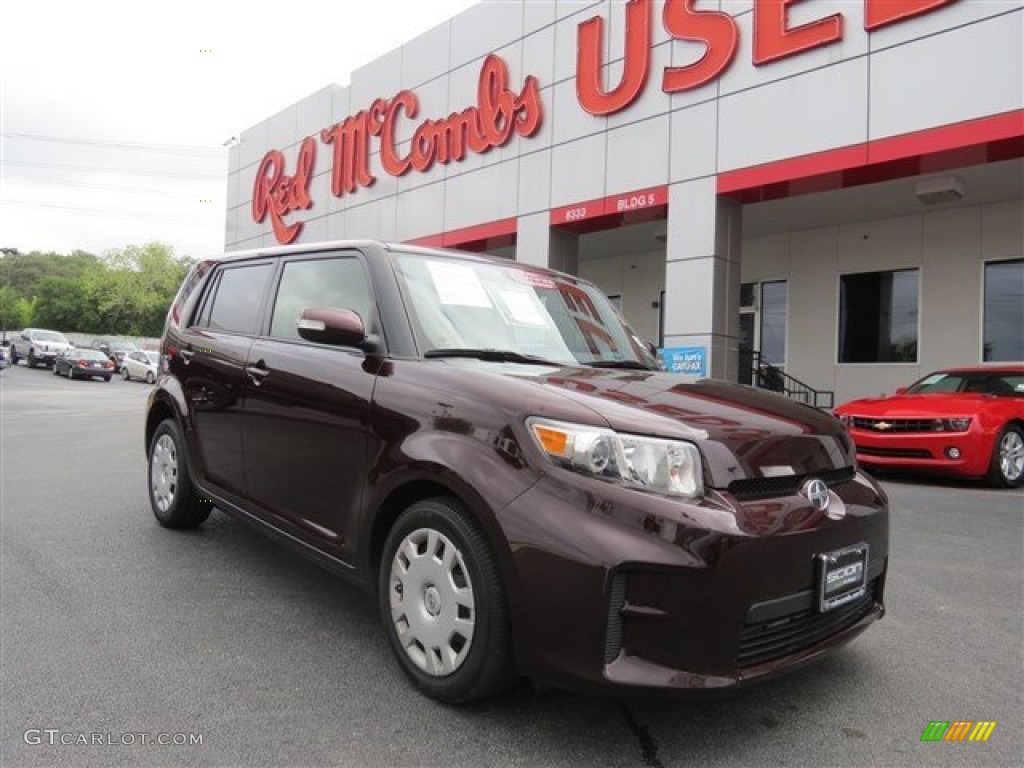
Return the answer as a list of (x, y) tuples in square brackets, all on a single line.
[(500, 113)]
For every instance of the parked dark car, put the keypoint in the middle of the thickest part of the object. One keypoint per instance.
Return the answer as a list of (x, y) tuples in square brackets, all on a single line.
[(115, 349), (83, 363), (494, 452)]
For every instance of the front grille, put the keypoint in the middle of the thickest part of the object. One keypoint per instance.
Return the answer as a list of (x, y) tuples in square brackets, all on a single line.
[(764, 487), (893, 426), (788, 634), (896, 453)]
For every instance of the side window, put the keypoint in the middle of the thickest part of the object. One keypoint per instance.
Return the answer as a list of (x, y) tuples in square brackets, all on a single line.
[(233, 303), (338, 282)]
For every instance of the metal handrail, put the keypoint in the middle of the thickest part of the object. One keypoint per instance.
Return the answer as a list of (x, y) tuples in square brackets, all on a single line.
[(764, 375)]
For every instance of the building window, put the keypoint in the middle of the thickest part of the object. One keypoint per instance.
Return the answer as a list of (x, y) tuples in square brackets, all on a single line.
[(1004, 311), (774, 300), (878, 317)]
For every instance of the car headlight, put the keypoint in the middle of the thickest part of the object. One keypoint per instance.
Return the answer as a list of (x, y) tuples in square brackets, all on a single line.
[(668, 466), (959, 424)]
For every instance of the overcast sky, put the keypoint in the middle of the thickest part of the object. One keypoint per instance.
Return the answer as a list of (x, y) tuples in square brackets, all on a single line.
[(114, 114)]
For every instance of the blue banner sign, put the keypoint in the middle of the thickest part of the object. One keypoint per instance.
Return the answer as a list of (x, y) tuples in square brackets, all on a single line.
[(691, 361)]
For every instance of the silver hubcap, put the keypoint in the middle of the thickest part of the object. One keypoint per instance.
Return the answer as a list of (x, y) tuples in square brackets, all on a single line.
[(163, 472), (1011, 456), (432, 603)]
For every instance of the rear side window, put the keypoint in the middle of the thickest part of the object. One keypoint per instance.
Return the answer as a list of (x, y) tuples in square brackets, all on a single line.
[(338, 282), (233, 302)]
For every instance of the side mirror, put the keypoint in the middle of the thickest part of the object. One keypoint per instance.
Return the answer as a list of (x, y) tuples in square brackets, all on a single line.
[(327, 325), (900, 390)]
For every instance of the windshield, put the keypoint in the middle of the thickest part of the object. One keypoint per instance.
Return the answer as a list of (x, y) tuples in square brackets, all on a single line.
[(48, 336), (152, 357), (1000, 383), (459, 305)]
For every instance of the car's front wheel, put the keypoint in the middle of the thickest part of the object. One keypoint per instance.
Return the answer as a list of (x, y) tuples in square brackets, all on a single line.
[(443, 603), (172, 497), (150, 378), (125, 375), (31, 359), (1007, 467)]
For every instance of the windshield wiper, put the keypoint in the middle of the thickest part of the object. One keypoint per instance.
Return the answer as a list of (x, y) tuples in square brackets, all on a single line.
[(491, 355), (630, 365)]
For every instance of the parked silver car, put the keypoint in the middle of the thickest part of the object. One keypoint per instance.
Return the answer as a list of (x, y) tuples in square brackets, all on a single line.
[(140, 365)]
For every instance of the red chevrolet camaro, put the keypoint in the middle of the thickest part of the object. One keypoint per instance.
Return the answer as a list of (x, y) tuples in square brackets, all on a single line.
[(963, 421)]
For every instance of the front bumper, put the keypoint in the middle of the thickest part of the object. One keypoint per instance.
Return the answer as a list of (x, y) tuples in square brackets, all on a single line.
[(926, 451), (679, 597)]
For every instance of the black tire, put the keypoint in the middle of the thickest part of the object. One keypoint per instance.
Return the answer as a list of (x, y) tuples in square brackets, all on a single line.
[(56, 371), (14, 356), (1005, 470), (71, 373), (31, 361), (485, 666), (172, 496), (125, 375), (150, 378), (106, 379)]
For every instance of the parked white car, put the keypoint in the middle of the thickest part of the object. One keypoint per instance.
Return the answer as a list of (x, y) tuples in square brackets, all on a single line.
[(38, 345), (140, 365)]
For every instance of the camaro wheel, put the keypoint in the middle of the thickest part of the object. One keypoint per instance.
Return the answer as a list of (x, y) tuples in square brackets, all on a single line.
[(443, 604), (1007, 467), (171, 495)]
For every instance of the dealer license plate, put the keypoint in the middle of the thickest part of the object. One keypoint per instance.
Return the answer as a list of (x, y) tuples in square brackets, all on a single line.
[(842, 576)]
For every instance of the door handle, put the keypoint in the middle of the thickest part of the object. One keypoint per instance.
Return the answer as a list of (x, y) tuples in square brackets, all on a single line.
[(257, 372), (187, 354)]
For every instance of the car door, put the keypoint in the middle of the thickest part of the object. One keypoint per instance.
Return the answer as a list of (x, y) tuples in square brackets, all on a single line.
[(305, 428), (211, 365)]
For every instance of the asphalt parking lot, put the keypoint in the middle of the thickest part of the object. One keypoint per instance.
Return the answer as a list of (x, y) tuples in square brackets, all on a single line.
[(111, 625)]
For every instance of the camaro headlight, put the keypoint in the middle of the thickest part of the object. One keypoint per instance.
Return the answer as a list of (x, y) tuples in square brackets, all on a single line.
[(961, 424), (669, 466)]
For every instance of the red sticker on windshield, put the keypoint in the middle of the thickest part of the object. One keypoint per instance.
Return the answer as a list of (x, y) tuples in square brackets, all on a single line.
[(534, 279)]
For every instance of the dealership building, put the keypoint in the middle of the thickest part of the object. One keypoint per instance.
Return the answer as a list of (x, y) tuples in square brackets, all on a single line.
[(817, 192)]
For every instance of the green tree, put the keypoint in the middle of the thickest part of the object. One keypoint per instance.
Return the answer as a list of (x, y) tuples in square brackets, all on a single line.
[(15, 310)]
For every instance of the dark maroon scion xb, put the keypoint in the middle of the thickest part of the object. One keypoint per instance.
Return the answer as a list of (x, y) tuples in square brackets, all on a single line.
[(490, 449)]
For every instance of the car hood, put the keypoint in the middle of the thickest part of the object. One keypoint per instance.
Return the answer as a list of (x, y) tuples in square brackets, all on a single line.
[(915, 406), (742, 432)]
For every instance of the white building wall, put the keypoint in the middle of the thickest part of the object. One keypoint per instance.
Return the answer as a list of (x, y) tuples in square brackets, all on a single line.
[(949, 247), (960, 62)]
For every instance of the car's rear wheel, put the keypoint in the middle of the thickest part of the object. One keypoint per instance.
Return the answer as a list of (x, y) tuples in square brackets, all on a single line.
[(443, 603), (71, 372), (171, 494), (1007, 467)]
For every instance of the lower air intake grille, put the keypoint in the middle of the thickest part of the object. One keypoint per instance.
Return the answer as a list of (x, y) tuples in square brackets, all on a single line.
[(617, 599), (789, 634)]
